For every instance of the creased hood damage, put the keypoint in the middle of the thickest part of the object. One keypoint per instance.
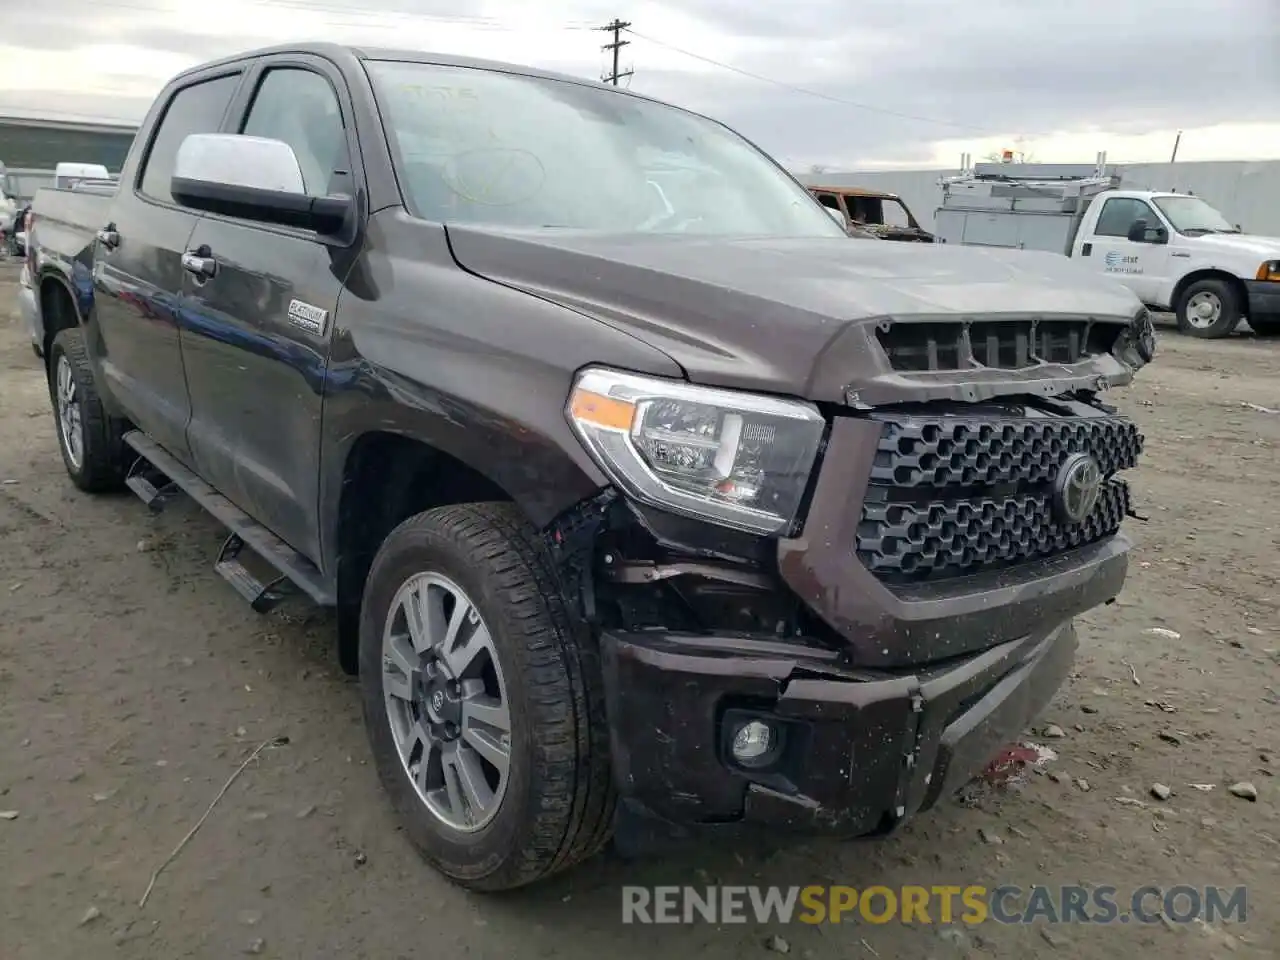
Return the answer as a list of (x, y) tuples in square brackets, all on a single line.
[(798, 316)]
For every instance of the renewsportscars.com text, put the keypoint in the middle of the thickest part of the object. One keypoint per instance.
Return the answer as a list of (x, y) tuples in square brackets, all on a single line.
[(971, 905)]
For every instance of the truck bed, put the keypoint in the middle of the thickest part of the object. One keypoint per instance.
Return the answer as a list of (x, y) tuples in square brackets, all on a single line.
[(66, 223)]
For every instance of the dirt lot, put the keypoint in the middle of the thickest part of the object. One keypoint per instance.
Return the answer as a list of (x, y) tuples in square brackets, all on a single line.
[(133, 682)]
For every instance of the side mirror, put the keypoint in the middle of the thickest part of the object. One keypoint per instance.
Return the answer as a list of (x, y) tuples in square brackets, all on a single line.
[(252, 178), (837, 216), (1139, 232)]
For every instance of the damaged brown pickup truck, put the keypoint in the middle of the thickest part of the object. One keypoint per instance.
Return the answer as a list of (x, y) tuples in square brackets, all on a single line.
[(651, 507), (874, 213)]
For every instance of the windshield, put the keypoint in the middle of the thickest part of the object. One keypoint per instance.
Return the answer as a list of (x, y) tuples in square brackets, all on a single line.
[(481, 146), (1193, 215)]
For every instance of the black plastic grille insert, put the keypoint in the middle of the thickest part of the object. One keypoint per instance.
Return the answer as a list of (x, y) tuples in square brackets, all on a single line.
[(1005, 344), (951, 495), (954, 451)]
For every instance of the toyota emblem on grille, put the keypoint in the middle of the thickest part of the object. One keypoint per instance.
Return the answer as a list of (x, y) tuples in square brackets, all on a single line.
[(1077, 487)]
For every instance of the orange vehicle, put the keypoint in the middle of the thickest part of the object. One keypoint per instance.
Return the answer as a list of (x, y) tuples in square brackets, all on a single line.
[(873, 211)]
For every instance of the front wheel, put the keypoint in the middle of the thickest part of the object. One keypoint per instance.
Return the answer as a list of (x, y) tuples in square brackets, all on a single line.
[(1208, 309), (483, 704), (90, 442)]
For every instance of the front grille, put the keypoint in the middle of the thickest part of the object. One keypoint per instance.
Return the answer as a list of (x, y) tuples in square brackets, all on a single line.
[(953, 451), (950, 495), (1007, 344)]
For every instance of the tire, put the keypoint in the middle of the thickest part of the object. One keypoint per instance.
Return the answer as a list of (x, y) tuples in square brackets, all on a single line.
[(98, 464), (1270, 327), (557, 805), (1220, 298)]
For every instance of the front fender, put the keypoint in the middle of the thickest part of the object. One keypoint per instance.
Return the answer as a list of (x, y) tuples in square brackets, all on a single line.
[(529, 453), (470, 367)]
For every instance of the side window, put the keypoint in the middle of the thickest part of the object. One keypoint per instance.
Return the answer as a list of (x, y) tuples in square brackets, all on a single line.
[(1118, 214), (829, 200), (863, 209), (198, 108), (299, 107), (895, 214)]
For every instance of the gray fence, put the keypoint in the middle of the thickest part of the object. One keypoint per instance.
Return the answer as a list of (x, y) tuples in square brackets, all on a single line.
[(1247, 192)]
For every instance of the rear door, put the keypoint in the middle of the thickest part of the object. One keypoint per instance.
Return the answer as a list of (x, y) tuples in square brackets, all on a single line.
[(257, 342), (138, 273), (1141, 266)]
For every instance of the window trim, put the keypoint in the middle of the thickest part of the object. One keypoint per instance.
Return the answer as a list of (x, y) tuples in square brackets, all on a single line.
[(1123, 236), (255, 71), (144, 161), (260, 80)]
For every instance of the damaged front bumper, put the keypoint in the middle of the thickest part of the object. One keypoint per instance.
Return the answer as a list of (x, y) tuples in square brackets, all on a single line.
[(897, 680), (859, 750), (922, 686)]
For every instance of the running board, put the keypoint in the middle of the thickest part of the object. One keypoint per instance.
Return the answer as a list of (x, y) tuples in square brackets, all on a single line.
[(152, 487), (245, 531), (261, 596)]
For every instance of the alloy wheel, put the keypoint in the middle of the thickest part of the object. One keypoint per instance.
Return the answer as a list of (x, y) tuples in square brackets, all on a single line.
[(69, 417), (446, 701)]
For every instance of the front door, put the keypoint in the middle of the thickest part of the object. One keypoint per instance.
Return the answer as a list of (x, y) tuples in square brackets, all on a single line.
[(1141, 266), (258, 321)]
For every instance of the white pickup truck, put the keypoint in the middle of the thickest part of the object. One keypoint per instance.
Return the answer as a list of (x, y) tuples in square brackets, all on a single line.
[(1174, 250)]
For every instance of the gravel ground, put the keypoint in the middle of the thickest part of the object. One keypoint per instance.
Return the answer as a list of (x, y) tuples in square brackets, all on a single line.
[(133, 682)]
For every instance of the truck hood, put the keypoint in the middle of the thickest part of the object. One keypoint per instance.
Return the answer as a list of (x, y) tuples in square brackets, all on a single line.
[(798, 316), (1264, 248)]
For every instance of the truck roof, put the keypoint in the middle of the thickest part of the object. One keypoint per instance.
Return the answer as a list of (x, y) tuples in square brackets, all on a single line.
[(335, 51), (855, 191)]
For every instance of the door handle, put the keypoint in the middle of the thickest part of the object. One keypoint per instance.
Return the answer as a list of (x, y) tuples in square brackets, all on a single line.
[(108, 236), (199, 265)]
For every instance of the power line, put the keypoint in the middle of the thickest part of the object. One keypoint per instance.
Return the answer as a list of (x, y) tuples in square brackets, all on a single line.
[(616, 27), (805, 90)]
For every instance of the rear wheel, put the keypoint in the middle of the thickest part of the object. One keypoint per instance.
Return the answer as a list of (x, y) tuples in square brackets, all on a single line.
[(92, 450), (484, 705), (1209, 309), (1269, 327)]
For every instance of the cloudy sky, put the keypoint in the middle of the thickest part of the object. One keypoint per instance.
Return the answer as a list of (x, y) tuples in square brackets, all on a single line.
[(857, 83)]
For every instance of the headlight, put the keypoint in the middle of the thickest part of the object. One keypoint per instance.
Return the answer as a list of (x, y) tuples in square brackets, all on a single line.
[(1270, 271), (738, 459)]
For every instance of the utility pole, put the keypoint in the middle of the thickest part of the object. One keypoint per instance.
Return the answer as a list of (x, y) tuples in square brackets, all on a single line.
[(616, 28)]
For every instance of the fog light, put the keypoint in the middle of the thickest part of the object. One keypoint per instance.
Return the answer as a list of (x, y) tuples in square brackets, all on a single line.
[(752, 742)]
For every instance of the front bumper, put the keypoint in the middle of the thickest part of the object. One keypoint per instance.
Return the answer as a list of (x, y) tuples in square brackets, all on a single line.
[(1264, 299), (928, 681), (862, 749)]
